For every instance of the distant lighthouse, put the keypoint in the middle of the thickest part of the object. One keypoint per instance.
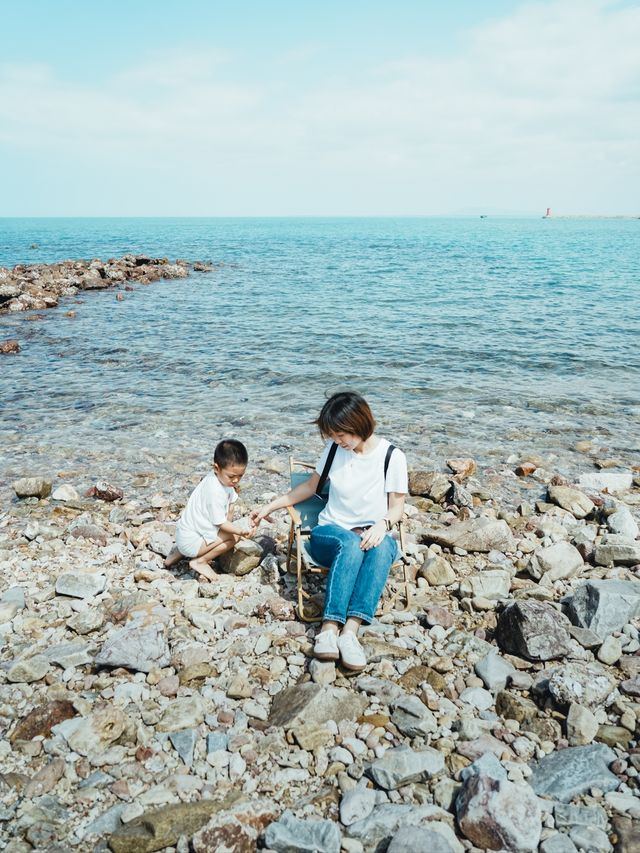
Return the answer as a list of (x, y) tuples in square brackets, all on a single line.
[(547, 214)]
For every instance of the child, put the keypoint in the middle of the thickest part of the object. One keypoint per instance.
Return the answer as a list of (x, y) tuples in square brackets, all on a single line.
[(204, 530)]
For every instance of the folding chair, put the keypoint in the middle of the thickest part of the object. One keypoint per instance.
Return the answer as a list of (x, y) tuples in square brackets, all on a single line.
[(304, 517)]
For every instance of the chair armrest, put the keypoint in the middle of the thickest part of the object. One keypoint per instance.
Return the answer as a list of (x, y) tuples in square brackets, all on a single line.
[(295, 515)]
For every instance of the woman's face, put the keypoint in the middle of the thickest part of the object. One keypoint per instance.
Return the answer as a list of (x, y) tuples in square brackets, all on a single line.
[(346, 440)]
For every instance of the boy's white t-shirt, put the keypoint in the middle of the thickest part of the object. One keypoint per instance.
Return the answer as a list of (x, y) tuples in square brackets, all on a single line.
[(207, 508), (358, 493)]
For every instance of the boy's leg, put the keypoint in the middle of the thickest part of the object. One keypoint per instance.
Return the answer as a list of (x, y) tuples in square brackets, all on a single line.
[(340, 549), (174, 556), (210, 550), (371, 579)]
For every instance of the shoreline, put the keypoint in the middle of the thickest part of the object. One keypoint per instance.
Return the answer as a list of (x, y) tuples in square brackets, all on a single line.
[(213, 693)]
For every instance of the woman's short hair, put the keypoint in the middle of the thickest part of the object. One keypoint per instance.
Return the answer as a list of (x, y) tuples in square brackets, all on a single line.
[(230, 451), (346, 411)]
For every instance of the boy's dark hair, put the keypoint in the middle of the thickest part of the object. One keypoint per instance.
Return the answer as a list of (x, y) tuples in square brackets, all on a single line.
[(230, 452), (346, 411)]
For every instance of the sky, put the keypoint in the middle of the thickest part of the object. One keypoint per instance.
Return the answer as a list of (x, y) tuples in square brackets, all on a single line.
[(309, 108)]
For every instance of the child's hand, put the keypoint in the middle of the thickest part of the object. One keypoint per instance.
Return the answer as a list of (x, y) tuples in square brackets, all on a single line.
[(258, 515)]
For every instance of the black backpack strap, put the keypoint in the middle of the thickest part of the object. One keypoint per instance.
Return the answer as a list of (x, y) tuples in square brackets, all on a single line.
[(327, 468), (387, 458)]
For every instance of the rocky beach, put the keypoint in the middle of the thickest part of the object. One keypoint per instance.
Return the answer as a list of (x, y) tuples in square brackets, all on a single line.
[(142, 710)]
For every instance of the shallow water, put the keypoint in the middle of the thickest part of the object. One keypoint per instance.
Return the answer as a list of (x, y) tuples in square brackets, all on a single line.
[(491, 337)]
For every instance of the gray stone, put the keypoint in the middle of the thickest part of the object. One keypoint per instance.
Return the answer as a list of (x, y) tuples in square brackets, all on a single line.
[(582, 726), (573, 500), (436, 837), (385, 691), (184, 713), (587, 639), (612, 481), (587, 684), (65, 493), (477, 534), (376, 831), (160, 542), (137, 647), (590, 838), (107, 822), (184, 743), (216, 741), (494, 671), (412, 717), (357, 804), (477, 697), (32, 487), (14, 595), (289, 834), (623, 523), (86, 621), (90, 735), (610, 651), (437, 571), (567, 773), (604, 606), (558, 843), (492, 584), (80, 584), (322, 672), (533, 630), (617, 550), (486, 765), (312, 703), (496, 814), (28, 670), (245, 557), (401, 765), (558, 561), (69, 654), (568, 815)]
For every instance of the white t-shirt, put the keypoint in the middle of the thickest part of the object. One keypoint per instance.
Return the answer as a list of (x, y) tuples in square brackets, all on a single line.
[(207, 508), (358, 493)]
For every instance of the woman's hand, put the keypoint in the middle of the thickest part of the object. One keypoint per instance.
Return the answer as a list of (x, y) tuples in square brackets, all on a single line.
[(373, 536)]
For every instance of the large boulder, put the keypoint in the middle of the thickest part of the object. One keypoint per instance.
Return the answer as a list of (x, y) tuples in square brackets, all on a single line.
[(138, 647), (567, 773), (312, 703), (292, 835), (587, 684), (477, 534), (615, 549), (534, 630), (32, 487), (558, 561), (401, 765), (573, 500), (604, 606)]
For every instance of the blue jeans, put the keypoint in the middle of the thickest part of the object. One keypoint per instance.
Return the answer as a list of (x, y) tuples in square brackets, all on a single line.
[(356, 577)]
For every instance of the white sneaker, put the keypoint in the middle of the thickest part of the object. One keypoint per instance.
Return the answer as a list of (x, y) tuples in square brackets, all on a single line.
[(326, 646), (351, 652)]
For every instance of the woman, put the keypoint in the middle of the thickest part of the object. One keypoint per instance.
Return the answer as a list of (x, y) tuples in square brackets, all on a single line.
[(352, 536)]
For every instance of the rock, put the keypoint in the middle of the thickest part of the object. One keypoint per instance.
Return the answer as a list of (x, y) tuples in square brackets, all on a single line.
[(83, 527), (526, 469), (401, 765), (534, 630), (88, 735), (70, 654), (512, 706), (80, 584), (436, 837), (627, 834), (138, 647), (492, 584), (573, 500), (582, 726), (604, 606), (310, 703), (45, 779), (570, 772), (160, 542), (494, 671), (357, 804), (586, 684), (10, 345), (478, 534), (65, 493), (496, 814), (558, 843), (617, 550), (611, 481), (437, 571), (412, 717), (376, 831), (610, 651), (322, 672), (430, 484), (311, 736), (28, 670), (463, 467), (567, 816), (182, 714), (590, 838), (616, 736), (160, 828), (32, 487), (86, 621), (557, 562), (40, 720), (477, 697), (105, 492), (587, 639), (245, 557), (623, 523), (631, 686), (184, 743), (236, 829), (292, 835)]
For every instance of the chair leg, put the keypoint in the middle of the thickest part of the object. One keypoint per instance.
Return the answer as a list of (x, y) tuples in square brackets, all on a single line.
[(290, 547), (303, 615)]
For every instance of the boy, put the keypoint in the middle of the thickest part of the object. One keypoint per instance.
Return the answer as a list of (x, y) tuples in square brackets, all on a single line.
[(204, 530)]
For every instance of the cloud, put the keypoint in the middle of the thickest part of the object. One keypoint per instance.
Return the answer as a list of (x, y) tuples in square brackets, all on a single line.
[(539, 105)]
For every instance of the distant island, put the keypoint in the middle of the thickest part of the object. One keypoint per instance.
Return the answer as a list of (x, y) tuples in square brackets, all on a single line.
[(549, 215)]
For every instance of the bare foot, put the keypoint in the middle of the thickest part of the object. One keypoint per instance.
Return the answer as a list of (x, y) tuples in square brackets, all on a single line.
[(203, 569), (174, 556)]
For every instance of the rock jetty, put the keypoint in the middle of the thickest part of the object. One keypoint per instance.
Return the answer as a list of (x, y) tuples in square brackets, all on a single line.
[(141, 710), (36, 287)]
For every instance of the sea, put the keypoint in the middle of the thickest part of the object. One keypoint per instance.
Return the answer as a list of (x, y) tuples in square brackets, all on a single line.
[(496, 338)]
